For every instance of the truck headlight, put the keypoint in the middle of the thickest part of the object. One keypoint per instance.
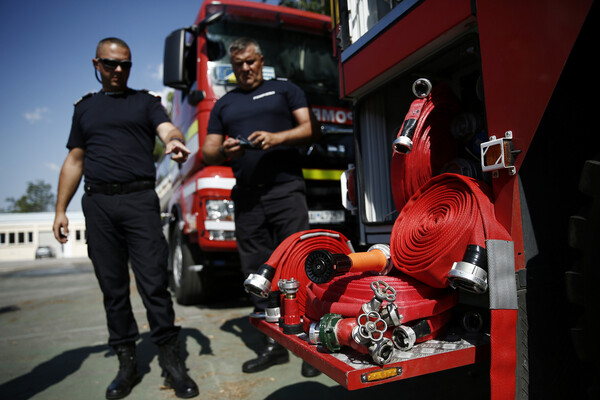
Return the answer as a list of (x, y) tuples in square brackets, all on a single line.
[(221, 235), (219, 210)]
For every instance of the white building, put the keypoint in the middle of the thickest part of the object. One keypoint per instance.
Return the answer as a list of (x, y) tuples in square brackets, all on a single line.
[(21, 234)]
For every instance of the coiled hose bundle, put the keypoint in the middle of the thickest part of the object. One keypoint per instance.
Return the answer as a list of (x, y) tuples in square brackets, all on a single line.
[(345, 295), (428, 122), (288, 259), (438, 223)]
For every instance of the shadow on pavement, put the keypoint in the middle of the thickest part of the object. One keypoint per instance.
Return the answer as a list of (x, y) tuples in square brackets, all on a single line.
[(250, 336), (61, 366), (312, 390), (48, 373), (203, 341)]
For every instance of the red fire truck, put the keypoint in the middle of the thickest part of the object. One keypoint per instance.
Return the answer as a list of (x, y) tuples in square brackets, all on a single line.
[(195, 197), (480, 111)]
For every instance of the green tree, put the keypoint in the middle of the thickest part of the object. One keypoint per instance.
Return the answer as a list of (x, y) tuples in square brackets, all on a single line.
[(169, 105), (316, 6), (37, 198)]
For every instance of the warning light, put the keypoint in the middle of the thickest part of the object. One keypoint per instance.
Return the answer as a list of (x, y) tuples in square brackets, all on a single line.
[(381, 374)]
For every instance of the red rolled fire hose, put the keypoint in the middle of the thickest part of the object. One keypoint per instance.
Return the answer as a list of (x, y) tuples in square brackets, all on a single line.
[(346, 294), (289, 257), (433, 145), (432, 231), (437, 224)]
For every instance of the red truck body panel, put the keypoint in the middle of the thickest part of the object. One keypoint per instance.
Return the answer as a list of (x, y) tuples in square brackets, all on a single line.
[(524, 47)]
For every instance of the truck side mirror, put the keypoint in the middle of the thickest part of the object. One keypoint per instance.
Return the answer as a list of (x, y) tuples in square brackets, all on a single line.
[(175, 72), (178, 71), (179, 63)]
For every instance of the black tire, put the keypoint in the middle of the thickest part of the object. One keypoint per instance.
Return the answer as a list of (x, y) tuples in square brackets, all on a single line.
[(581, 280), (190, 287)]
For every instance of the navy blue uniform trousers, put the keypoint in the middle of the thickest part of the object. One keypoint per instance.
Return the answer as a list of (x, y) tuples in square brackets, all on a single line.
[(264, 217), (124, 228)]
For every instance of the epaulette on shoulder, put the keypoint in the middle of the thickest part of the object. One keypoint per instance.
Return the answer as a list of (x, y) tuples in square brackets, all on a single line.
[(87, 96), (282, 79), (150, 93)]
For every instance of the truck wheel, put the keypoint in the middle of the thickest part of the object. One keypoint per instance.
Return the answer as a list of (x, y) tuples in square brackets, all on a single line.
[(189, 286), (583, 277)]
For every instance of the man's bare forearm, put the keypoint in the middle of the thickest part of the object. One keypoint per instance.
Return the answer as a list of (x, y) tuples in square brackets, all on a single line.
[(70, 176)]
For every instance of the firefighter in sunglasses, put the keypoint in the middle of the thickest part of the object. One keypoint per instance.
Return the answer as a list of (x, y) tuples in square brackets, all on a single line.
[(111, 144)]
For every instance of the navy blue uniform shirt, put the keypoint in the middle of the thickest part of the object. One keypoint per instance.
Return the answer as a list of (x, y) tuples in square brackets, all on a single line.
[(268, 108), (117, 133)]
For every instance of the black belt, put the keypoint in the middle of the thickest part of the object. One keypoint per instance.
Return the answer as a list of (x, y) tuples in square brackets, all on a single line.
[(118, 188)]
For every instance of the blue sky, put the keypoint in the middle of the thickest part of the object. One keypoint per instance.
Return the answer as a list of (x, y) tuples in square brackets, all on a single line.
[(47, 48)]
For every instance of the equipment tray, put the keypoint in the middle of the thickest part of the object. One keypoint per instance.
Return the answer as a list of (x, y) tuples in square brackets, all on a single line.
[(354, 370)]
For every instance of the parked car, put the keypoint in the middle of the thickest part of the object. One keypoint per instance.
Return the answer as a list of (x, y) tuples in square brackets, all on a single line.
[(45, 252)]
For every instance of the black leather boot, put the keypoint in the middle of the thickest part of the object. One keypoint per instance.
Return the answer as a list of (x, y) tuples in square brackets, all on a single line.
[(174, 370), (308, 371), (272, 354), (128, 375)]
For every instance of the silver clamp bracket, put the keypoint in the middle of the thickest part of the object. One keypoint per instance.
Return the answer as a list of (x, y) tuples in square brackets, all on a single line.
[(497, 154)]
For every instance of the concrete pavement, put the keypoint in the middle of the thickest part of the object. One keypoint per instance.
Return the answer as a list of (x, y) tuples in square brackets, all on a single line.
[(53, 346)]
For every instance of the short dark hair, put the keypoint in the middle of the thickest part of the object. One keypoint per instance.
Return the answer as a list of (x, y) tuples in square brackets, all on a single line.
[(243, 43), (112, 40)]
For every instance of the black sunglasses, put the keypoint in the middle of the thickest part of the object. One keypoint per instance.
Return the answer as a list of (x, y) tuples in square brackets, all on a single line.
[(113, 64)]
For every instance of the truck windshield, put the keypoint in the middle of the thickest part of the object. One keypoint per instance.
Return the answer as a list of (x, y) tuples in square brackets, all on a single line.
[(302, 57)]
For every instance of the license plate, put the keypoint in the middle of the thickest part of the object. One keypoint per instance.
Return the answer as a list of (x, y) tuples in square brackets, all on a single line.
[(326, 216)]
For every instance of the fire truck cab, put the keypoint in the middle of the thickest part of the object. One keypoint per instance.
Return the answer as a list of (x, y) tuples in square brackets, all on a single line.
[(195, 197)]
